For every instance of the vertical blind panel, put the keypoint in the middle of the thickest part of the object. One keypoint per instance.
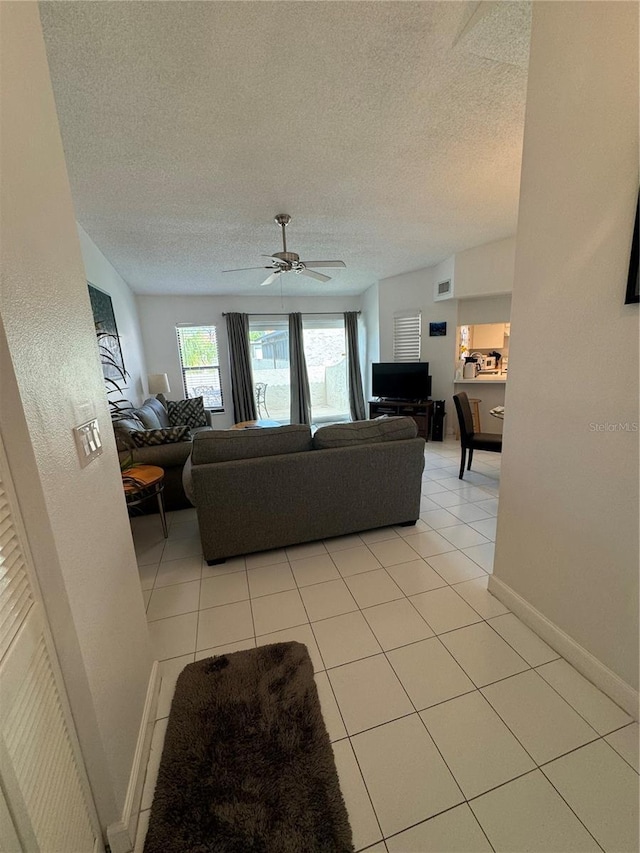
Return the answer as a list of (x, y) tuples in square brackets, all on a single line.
[(16, 598), (37, 743), (407, 330)]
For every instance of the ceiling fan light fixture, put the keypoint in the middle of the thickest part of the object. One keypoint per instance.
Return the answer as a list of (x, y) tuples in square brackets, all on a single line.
[(285, 261)]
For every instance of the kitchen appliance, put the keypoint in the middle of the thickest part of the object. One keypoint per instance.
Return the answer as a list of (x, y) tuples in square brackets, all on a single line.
[(470, 368)]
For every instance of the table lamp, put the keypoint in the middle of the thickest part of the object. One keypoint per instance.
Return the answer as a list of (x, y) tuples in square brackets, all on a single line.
[(158, 383)]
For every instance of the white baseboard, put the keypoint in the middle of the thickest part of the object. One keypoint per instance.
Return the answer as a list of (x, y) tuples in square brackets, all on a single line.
[(122, 834), (592, 669)]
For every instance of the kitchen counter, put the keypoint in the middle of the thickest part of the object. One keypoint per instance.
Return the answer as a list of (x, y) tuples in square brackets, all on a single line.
[(482, 380)]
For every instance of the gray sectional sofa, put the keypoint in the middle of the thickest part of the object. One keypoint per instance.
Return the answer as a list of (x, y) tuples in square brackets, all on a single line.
[(258, 489), (171, 457)]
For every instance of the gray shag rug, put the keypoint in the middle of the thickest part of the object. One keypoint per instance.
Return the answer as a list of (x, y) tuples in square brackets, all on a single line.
[(247, 765)]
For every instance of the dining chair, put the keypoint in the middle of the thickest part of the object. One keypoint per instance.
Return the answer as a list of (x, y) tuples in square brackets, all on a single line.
[(469, 439)]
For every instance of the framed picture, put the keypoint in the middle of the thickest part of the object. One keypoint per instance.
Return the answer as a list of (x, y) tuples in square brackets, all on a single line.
[(437, 330), (633, 294), (105, 321)]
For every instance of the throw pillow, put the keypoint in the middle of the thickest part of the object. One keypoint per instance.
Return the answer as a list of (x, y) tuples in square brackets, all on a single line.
[(166, 435), (189, 412)]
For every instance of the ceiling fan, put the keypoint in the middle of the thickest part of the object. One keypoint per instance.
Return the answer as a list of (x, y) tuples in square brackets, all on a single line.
[(284, 261)]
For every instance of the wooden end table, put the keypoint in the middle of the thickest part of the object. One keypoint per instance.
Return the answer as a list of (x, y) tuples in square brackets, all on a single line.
[(142, 482)]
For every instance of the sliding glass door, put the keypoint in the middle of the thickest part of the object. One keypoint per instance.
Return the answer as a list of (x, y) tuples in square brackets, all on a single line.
[(325, 351), (269, 343), (325, 355)]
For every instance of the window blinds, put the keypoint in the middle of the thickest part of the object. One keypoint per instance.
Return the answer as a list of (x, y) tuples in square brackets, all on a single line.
[(407, 330), (200, 364)]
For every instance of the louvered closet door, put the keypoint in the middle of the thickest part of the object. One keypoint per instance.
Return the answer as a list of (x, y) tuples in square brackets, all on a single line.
[(42, 785)]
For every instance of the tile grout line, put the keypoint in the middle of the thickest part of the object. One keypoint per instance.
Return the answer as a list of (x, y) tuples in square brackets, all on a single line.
[(350, 736), (337, 703)]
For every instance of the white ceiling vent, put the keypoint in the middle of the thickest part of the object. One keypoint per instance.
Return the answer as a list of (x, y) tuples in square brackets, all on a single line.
[(443, 290)]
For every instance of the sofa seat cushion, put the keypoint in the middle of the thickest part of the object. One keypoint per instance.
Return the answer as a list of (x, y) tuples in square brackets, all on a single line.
[(219, 445), (166, 435), (365, 432)]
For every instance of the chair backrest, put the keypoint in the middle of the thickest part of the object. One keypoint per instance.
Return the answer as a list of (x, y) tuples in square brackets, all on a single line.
[(261, 392), (465, 418)]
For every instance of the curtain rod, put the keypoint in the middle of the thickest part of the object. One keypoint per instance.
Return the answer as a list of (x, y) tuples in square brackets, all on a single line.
[(286, 313)]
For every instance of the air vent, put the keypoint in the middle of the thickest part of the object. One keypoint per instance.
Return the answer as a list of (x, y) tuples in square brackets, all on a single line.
[(443, 290)]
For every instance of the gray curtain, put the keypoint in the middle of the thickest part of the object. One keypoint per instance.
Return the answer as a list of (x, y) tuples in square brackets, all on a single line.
[(300, 394), (244, 401), (356, 397)]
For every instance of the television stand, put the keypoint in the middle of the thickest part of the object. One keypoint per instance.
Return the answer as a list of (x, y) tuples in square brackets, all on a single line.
[(419, 410)]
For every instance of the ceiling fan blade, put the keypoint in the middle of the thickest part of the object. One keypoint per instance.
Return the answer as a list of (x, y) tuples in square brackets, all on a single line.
[(331, 264), (243, 269), (317, 275), (270, 279)]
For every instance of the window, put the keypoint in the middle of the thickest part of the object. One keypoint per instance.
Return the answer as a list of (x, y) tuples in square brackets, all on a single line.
[(407, 331), (200, 364)]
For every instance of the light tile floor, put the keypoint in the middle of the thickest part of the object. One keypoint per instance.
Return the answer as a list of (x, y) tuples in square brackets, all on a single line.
[(455, 728)]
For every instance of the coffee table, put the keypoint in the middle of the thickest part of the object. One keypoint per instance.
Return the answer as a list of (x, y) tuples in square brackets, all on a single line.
[(259, 424), (142, 482)]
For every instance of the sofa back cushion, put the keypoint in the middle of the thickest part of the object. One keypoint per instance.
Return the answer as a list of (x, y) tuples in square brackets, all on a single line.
[(226, 445), (365, 432), (122, 429), (159, 410), (148, 416)]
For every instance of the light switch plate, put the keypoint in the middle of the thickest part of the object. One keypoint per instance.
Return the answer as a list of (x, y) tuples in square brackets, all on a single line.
[(88, 441)]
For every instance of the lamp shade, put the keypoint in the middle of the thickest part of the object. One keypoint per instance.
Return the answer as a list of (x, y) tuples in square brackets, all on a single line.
[(158, 383)]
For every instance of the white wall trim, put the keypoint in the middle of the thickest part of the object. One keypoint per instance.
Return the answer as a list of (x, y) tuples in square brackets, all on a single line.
[(599, 674), (122, 834)]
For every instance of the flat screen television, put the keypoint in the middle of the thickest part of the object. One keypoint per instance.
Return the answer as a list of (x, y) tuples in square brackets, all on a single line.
[(407, 380)]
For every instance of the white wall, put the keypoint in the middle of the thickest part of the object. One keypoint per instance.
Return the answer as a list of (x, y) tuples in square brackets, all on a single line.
[(485, 270), (159, 316), (414, 290), (567, 538), (75, 518), (105, 277), (490, 309), (370, 320)]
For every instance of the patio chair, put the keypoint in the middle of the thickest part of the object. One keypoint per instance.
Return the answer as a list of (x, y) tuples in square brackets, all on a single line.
[(260, 389)]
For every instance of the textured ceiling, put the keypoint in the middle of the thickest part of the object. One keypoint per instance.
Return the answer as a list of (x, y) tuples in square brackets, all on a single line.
[(391, 132)]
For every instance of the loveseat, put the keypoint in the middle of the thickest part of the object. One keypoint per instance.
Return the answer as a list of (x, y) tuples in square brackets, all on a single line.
[(257, 489), (170, 456)]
